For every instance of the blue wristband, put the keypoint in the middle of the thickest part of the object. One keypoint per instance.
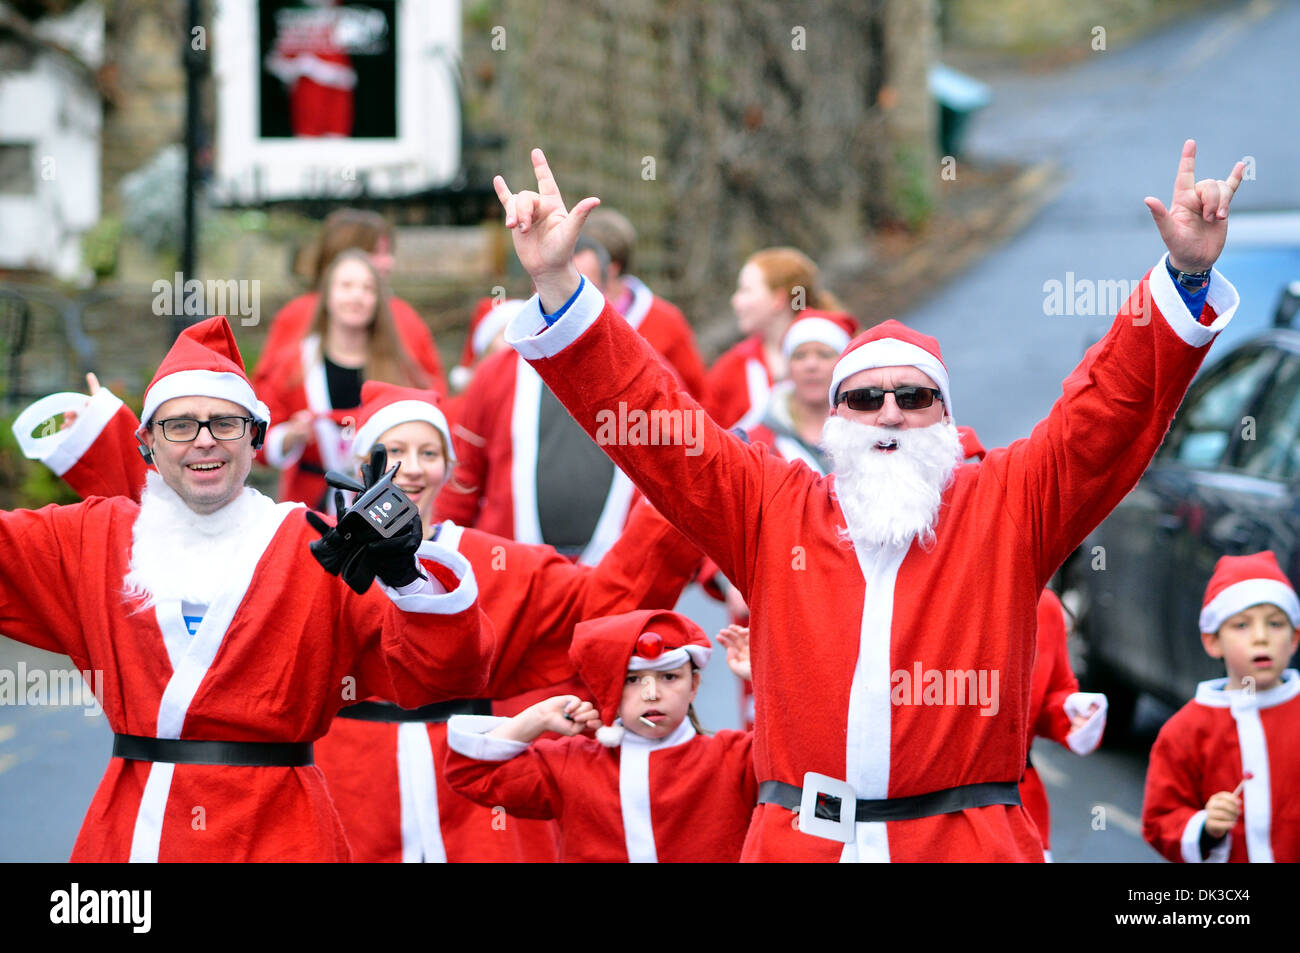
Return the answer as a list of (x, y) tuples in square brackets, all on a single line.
[(552, 318), (1194, 299)]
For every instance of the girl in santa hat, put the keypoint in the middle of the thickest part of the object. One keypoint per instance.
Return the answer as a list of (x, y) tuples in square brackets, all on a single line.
[(650, 786), (1225, 769), (774, 285), (353, 339), (384, 764)]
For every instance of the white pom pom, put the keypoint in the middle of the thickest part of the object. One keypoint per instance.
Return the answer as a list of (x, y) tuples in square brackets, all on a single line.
[(611, 736), (460, 377)]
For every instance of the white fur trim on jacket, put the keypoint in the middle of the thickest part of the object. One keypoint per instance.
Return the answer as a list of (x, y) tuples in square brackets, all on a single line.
[(1085, 740), (468, 735), (1221, 296), (423, 595), (1191, 843), (528, 333)]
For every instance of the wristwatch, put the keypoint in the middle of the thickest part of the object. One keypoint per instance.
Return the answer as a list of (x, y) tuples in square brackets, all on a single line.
[(1189, 281)]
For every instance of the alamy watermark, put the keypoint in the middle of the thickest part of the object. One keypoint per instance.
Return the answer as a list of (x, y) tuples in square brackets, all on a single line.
[(922, 686), (231, 297), (60, 688), (651, 428)]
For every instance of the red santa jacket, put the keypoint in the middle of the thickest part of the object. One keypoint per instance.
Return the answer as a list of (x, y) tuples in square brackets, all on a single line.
[(387, 779), (1208, 746), (494, 485), (275, 656), (686, 798), (738, 385), (894, 622)]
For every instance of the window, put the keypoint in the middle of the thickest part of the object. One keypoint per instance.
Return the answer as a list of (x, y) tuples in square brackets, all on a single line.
[(1270, 444), (17, 169), (1214, 410)]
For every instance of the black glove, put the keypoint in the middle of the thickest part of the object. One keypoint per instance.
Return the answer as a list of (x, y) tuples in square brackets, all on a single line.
[(331, 550), (393, 560)]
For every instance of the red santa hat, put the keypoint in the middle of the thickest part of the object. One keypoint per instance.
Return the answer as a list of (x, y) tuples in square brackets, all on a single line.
[(204, 362), (893, 344), (489, 319), (1240, 582), (651, 640), (970, 443), (833, 328), (384, 406)]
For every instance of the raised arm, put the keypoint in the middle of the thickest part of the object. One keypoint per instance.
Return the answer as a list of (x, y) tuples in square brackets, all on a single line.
[(1118, 403), (704, 480), (95, 451)]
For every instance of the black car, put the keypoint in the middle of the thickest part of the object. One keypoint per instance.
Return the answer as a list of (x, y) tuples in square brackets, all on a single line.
[(1226, 481)]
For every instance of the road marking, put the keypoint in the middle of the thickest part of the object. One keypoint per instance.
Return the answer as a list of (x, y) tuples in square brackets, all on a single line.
[(7, 732), (1121, 818), (7, 761)]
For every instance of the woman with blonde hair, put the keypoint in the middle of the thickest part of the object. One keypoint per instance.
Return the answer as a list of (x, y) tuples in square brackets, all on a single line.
[(314, 396), (774, 285)]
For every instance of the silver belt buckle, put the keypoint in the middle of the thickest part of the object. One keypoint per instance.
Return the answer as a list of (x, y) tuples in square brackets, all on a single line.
[(844, 830)]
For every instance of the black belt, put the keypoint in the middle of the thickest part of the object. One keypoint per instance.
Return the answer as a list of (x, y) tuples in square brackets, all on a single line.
[(947, 801), (437, 713), (262, 754)]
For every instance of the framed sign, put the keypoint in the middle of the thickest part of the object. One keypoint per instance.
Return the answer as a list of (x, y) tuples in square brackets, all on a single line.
[(329, 98)]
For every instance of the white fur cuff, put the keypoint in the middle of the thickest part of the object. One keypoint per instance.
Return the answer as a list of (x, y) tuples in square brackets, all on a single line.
[(468, 735)]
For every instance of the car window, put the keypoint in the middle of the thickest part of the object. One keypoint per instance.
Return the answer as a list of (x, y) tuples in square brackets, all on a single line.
[(1214, 410), (1270, 449)]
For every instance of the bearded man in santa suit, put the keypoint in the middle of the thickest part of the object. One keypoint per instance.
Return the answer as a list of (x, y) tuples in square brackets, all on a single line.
[(225, 649), (894, 602)]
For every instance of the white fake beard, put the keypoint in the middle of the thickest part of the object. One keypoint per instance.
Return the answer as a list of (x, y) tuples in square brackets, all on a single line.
[(177, 553), (890, 497)]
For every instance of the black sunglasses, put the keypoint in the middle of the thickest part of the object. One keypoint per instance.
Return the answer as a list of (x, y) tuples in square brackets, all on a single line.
[(873, 398)]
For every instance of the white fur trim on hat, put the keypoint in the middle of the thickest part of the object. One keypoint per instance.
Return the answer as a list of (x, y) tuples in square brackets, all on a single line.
[(401, 412), (674, 658), (493, 323), (222, 385), (1247, 593), (814, 329), (891, 352)]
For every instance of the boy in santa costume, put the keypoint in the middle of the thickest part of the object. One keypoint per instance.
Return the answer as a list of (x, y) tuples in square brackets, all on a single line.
[(1225, 769), (649, 787), (920, 576), (225, 650)]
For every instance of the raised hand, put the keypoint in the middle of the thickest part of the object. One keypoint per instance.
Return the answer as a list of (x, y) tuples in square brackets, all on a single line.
[(735, 639), (70, 416), (1195, 224), (545, 232)]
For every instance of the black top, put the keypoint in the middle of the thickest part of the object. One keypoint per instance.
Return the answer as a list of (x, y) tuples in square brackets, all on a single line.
[(344, 384), (573, 478)]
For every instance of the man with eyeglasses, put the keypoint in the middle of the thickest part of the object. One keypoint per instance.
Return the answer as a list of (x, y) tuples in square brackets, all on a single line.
[(225, 649), (893, 603)]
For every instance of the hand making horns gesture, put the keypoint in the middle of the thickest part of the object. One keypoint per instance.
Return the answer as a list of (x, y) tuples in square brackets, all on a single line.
[(1196, 223), (545, 233)]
